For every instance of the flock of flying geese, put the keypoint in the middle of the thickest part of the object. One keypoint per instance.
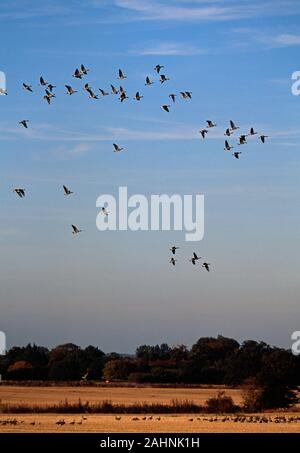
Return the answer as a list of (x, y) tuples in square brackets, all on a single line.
[(193, 260)]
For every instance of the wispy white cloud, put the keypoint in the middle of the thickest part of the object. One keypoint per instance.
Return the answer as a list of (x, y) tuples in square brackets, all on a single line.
[(268, 38), (168, 49), (283, 40)]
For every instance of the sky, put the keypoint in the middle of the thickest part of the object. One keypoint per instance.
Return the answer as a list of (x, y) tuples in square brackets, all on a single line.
[(117, 290)]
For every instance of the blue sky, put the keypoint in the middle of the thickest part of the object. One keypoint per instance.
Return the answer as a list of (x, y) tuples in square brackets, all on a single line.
[(117, 289)]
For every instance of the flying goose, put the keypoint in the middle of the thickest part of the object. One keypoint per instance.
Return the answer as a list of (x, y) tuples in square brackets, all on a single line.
[(49, 93), (20, 192), (50, 86), (27, 87), (113, 90), (121, 90), (172, 96), (83, 70), (75, 230), (77, 74), (163, 78), (203, 132), (263, 137), (121, 75), (104, 93), (123, 96), (194, 258), (86, 87), (91, 94), (148, 81), (173, 249), (233, 127), (104, 212), (42, 82), (172, 261), (47, 98), (70, 90), (117, 148), (3, 91), (186, 94), (24, 123), (166, 108), (252, 132), (242, 140), (137, 96), (236, 154), (158, 67), (206, 266), (228, 132), (227, 147), (67, 191), (210, 123)]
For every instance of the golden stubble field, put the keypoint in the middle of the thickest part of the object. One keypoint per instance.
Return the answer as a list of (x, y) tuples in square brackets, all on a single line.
[(104, 423)]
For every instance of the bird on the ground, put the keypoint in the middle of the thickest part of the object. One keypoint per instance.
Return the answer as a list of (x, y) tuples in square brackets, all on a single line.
[(70, 90), (194, 258), (148, 81), (252, 132), (20, 192), (227, 147), (163, 78), (117, 148), (121, 75), (113, 90), (27, 87), (236, 154), (206, 266), (172, 261), (137, 96), (210, 123), (77, 74), (263, 138), (203, 132), (24, 123), (83, 70), (228, 132), (173, 249), (75, 230), (42, 82), (157, 68), (233, 127), (118, 418), (104, 93), (242, 140), (166, 108), (172, 96), (67, 191), (72, 423)]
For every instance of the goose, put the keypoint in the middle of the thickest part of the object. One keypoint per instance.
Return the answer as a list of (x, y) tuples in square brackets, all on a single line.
[(86, 87), (72, 423), (203, 132), (27, 87), (166, 108), (186, 94), (104, 93), (104, 212), (83, 70), (194, 258), (123, 97), (75, 230), (3, 91), (236, 154), (252, 132), (172, 96), (137, 96), (228, 132), (121, 90), (242, 140), (113, 90), (20, 192), (24, 123), (42, 82), (67, 191), (148, 81), (210, 123), (121, 75), (117, 148), (118, 418), (50, 86), (172, 261), (77, 74), (157, 68), (49, 93), (206, 266), (233, 127), (48, 99), (173, 249), (163, 78), (263, 138), (70, 90), (92, 94), (227, 147)]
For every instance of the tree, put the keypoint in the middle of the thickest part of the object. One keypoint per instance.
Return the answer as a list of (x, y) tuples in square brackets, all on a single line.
[(118, 369)]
